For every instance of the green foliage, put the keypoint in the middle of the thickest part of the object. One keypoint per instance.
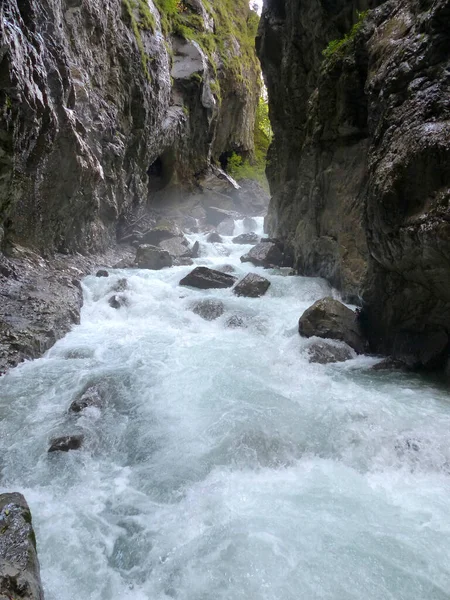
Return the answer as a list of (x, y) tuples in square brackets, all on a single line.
[(255, 168), (336, 47), (145, 20)]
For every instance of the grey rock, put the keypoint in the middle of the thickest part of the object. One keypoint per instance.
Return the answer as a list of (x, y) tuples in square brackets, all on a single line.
[(205, 278), (209, 309), (177, 247), (266, 254), (118, 301), (215, 216), (246, 238), (325, 353), (121, 285), (226, 227), (182, 261), (19, 565), (92, 397), (214, 238), (235, 322), (161, 232), (226, 269), (152, 257), (195, 250), (390, 364), (249, 224), (252, 286), (329, 318), (66, 443), (102, 273)]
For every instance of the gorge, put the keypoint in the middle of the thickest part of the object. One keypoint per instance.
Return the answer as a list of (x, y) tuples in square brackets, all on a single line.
[(190, 415)]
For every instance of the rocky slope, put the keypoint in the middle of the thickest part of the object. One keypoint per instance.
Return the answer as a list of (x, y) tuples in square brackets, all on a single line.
[(359, 168)]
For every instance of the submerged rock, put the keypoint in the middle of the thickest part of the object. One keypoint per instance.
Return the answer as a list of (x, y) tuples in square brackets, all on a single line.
[(235, 322), (214, 238), (102, 273), (66, 443), (118, 301), (252, 286), (325, 353), (152, 257), (209, 309), (264, 254), (329, 318), (92, 397), (205, 278), (19, 565), (226, 269), (182, 261), (121, 285), (246, 238), (390, 364)]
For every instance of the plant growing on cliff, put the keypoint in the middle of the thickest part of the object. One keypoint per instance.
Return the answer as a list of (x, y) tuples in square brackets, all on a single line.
[(145, 21), (337, 47)]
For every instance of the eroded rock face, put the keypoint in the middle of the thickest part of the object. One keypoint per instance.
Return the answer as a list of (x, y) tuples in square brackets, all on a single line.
[(359, 168), (329, 318), (19, 565), (205, 278)]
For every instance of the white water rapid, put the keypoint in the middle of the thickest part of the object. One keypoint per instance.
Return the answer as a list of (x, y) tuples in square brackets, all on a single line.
[(225, 466)]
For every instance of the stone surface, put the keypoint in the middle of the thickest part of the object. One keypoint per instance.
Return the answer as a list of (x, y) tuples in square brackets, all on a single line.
[(66, 443), (235, 322), (325, 353), (215, 215), (252, 286), (246, 238), (390, 364), (214, 238), (205, 278), (329, 318), (195, 250), (209, 309), (19, 565), (161, 232), (118, 301), (265, 254), (359, 169), (152, 257), (226, 227), (250, 224), (92, 397), (102, 273), (177, 247)]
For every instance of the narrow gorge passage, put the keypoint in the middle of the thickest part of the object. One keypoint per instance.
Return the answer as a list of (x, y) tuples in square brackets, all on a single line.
[(224, 464)]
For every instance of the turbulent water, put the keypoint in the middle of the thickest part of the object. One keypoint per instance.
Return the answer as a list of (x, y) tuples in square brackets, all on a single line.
[(225, 465)]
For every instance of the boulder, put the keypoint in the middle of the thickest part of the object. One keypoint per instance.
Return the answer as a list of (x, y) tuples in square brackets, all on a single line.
[(226, 227), (176, 247), (152, 257), (226, 269), (182, 261), (235, 322), (249, 224), (246, 238), (325, 353), (121, 285), (252, 286), (214, 238), (264, 254), (329, 318), (117, 301), (205, 278), (125, 263), (19, 565), (90, 397), (102, 273), (66, 443), (195, 250), (209, 309), (163, 231), (215, 216)]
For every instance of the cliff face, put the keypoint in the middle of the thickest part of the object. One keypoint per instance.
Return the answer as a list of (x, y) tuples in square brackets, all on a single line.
[(359, 168), (103, 103)]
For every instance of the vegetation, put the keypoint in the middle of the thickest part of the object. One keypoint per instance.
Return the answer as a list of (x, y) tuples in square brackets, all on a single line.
[(337, 47), (255, 168), (144, 21)]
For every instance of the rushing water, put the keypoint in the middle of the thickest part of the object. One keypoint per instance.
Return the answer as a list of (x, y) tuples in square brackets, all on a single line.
[(225, 465)]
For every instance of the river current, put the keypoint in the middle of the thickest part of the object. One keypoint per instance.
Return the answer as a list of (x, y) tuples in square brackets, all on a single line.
[(225, 466)]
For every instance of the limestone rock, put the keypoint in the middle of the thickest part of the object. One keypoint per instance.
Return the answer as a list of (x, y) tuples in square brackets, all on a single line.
[(325, 353), (329, 318), (264, 254), (252, 286), (19, 565), (152, 257), (246, 238), (66, 443), (205, 278), (209, 309)]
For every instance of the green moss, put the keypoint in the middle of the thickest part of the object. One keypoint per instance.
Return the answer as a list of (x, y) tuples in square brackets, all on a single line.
[(145, 21), (336, 48)]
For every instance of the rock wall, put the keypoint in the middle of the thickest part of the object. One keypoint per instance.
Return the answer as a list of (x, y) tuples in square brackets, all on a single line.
[(359, 168), (102, 103)]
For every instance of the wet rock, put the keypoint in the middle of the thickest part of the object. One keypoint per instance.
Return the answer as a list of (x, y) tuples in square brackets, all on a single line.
[(66, 443), (209, 309), (235, 322), (390, 364), (325, 353), (422, 350), (205, 278), (226, 227), (121, 285), (226, 269), (182, 261), (118, 301), (215, 216), (195, 250), (125, 263), (214, 238), (252, 286), (19, 565), (329, 318), (92, 397), (163, 231), (177, 247), (264, 254), (152, 257), (102, 273), (246, 238), (249, 224)]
